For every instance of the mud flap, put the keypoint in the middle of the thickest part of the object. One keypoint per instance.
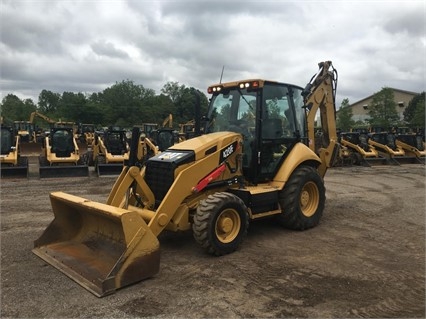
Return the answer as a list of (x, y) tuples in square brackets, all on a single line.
[(64, 171), (101, 247), (109, 169)]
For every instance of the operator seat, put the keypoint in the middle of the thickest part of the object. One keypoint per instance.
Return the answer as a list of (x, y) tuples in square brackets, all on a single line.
[(272, 133), (272, 128)]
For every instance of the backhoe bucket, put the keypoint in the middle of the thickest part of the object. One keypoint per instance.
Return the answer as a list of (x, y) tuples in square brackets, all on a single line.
[(101, 247)]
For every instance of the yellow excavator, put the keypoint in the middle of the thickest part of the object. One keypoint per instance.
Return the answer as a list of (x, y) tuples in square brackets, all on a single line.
[(255, 159), (12, 163)]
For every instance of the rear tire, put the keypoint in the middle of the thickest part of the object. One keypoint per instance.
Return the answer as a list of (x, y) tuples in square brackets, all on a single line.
[(220, 223), (302, 199)]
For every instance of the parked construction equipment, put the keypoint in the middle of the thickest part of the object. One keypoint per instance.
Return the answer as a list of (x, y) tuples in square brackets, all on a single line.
[(12, 163), (25, 130), (360, 151), (61, 156), (412, 145), (109, 151), (86, 133), (256, 159), (385, 143)]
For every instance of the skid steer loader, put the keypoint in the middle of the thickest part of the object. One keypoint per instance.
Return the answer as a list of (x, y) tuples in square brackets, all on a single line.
[(413, 146), (385, 143), (361, 153), (61, 156), (256, 159), (108, 152), (12, 163)]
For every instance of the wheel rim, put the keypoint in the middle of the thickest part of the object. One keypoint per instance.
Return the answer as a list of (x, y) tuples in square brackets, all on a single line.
[(309, 199), (228, 226)]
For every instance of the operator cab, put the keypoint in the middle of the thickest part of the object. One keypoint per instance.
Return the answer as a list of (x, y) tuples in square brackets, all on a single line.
[(268, 114)]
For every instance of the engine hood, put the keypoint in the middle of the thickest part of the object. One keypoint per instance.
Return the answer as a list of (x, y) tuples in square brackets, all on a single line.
[(204, 145)]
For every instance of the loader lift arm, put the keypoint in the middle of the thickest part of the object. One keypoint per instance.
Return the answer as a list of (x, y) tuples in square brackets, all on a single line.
[(320, 94)]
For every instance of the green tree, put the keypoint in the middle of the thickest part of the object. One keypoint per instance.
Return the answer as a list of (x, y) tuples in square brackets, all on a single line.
[(414, 114), (72, 107), (382, 110), (123, 102), (344, 116), (15, 109), (48, 102), (173, 90), (183, 99)]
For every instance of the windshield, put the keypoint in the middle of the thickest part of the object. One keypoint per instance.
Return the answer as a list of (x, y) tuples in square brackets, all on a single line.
[(230, 109), (236, 110)]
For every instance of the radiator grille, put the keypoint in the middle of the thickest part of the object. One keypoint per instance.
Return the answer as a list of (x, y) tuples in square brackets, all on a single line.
[(159, 176)]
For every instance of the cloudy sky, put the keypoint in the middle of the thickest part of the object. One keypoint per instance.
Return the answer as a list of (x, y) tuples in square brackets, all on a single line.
[(87, 46)]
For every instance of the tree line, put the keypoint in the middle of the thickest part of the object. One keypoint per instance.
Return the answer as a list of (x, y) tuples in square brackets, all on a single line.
[(123, 104), (126, 104)]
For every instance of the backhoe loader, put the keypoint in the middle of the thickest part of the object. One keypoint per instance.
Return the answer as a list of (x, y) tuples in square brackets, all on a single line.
[(256, 159), (61, 155), (12, 163)]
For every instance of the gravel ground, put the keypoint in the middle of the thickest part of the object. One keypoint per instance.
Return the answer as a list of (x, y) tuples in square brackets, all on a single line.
[(365, 259)]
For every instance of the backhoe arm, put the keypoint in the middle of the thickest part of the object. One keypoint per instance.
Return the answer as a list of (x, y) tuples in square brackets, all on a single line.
[(319, 94)]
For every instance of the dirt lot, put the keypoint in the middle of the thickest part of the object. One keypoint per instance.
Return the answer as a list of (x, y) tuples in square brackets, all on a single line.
[(365, 259)]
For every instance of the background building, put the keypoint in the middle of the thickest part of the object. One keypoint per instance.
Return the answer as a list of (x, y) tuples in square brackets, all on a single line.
[(401, 97)]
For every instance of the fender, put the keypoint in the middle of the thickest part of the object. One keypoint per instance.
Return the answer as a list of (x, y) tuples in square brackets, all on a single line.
[(298, 155)]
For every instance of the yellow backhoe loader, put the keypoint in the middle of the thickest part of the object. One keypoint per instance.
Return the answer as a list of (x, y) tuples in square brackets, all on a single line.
[(12, 163), (256, 159), (61, 155)]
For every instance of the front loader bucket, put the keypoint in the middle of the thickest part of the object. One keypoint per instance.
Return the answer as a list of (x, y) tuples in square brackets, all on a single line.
[(64, 171), (407, 160), (101, 247), (20, 170), (375, 161), (109, 169)]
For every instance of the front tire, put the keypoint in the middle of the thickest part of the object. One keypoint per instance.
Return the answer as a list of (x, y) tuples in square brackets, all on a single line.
[(302, 200), (220, 223)]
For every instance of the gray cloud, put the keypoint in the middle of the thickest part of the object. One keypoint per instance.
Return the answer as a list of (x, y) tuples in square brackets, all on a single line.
[(86, 46)]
